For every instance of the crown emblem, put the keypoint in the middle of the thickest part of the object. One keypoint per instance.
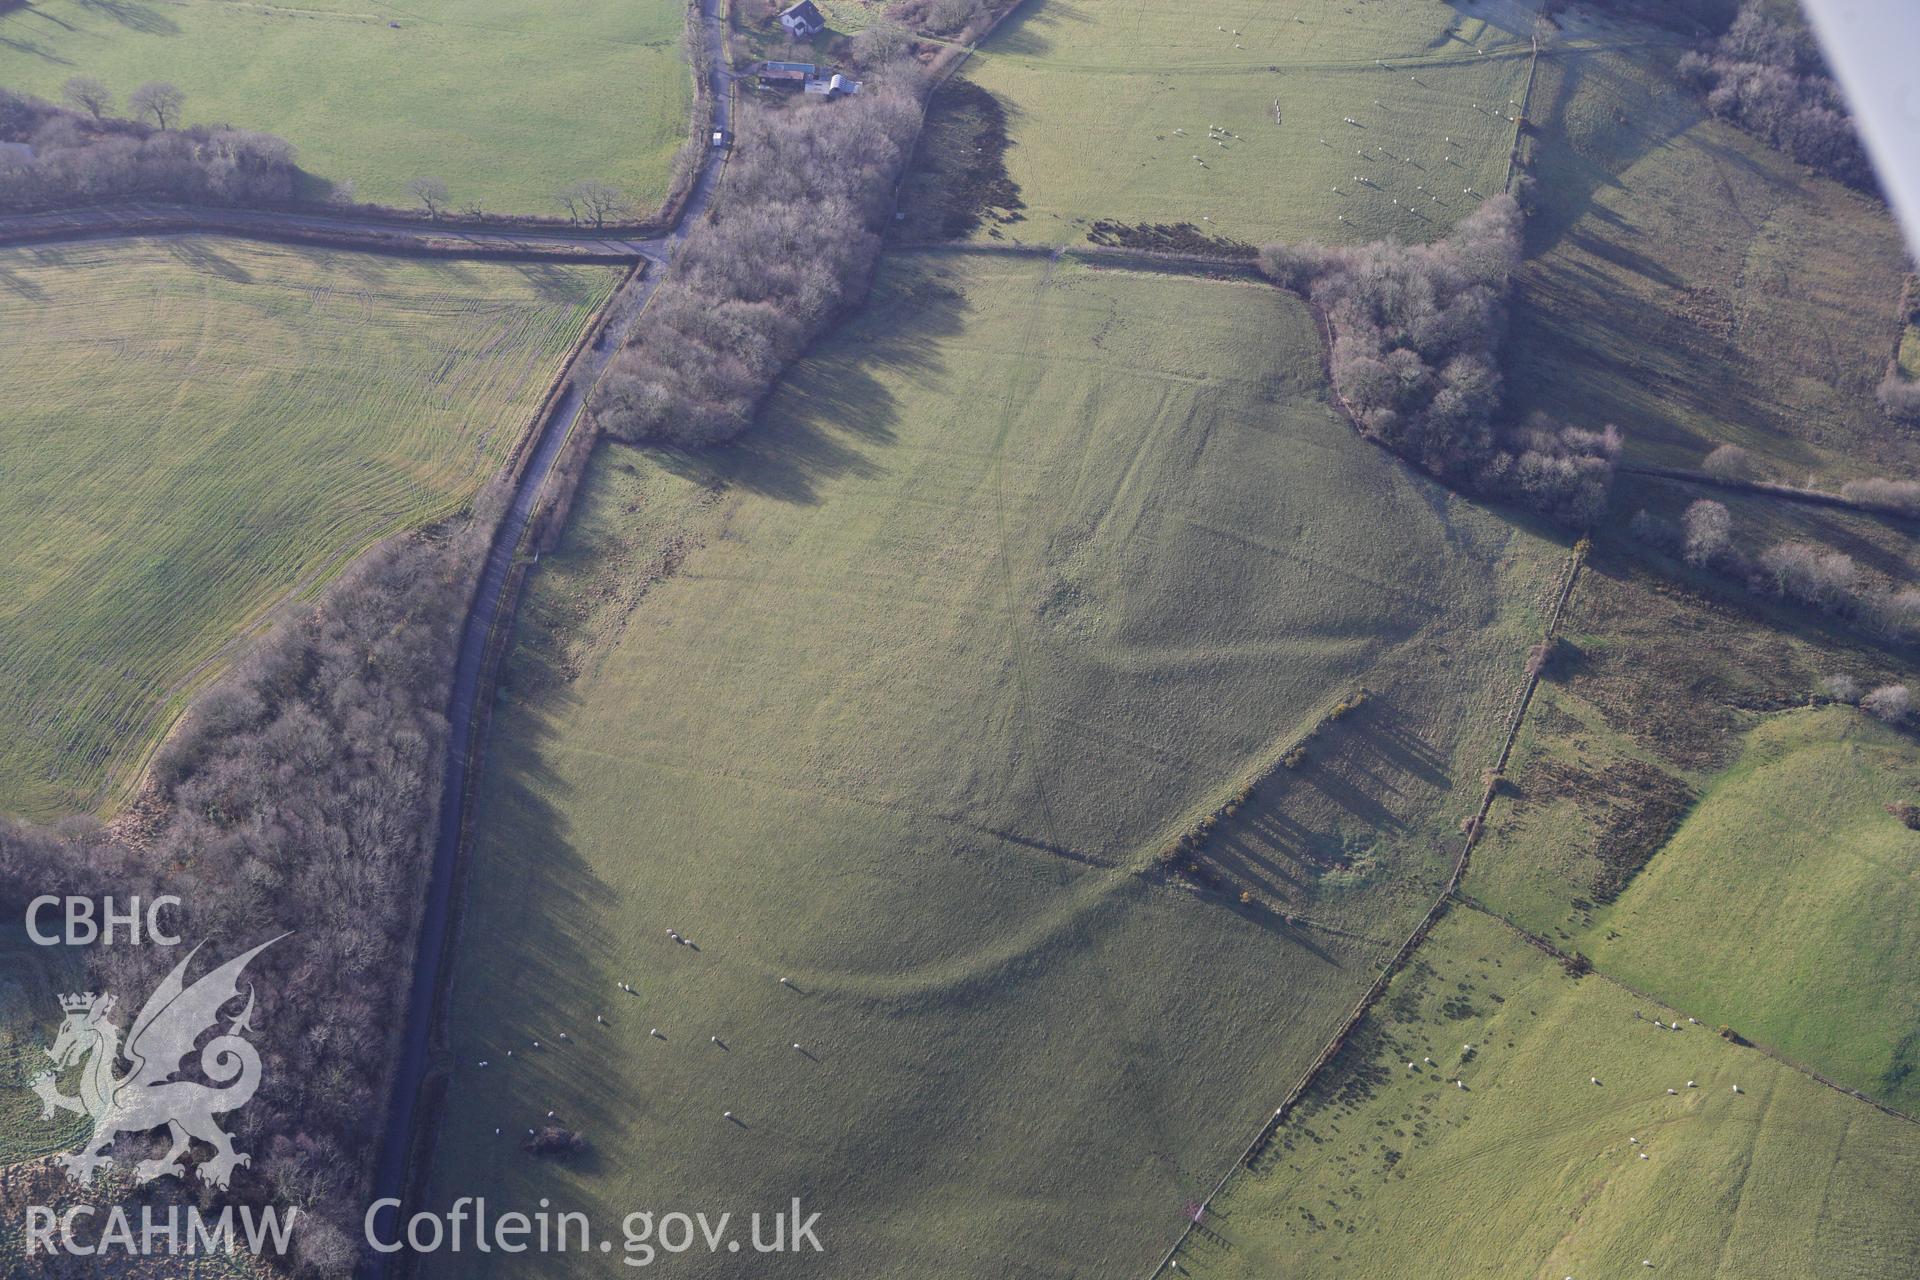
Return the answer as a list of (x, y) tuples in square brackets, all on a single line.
[(78, 1003)]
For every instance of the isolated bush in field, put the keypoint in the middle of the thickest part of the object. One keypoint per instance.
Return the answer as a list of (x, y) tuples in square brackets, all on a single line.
[(1898, 397), (1706, 531), (1729, 462), (1841, 688), (1767, 77), (1890, 702)]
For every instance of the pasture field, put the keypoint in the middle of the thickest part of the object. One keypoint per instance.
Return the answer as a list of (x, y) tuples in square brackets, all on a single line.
[(1097, 92), (1745, 301), (506, 100), (199, 427), (1681, 816), (897, 698), (1532, 1170), (1910, 352)]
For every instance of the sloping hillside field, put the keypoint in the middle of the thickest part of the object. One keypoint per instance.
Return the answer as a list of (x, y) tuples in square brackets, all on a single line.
[(1662, 1168), (197, 427), (1243, 117), (897, 699)]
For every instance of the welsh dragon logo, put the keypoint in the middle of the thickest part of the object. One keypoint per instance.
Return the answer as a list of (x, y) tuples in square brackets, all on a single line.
[(147, 1096)]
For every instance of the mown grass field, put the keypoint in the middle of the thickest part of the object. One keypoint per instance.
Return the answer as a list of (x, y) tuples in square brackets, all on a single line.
[(897, 698), (1745, 301), (1757, 879), (1096, 93), (199, 427), (1531, 1170), (505, 101)]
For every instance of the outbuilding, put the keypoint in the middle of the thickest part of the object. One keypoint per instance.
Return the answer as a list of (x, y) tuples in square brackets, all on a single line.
[(787, 75)]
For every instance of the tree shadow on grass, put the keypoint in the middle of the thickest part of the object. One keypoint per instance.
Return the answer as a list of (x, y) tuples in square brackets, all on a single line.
[(135, 17), (1032, 31), (832, 413), (198, 253), (15, 283)]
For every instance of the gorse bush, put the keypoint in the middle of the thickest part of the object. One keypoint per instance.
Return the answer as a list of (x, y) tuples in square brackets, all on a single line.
[(78, 157)]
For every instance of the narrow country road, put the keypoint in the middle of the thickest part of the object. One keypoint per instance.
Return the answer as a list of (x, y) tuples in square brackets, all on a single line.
[(490, 604)]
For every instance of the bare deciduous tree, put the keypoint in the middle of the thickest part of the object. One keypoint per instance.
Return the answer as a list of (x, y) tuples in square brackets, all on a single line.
[(1706, 530), (881, 42), (591, 200), (430, 192), (1891, 702), (1841, 688), (158, 99), (84, 93)]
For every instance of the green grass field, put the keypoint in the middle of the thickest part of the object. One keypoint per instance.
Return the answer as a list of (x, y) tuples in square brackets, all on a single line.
[(506, 101), (897, 697), (1777, 894), (1744, 300), (1910, 351), (1814, 952), (1097, 93), (200, 427), (1533, 1171)]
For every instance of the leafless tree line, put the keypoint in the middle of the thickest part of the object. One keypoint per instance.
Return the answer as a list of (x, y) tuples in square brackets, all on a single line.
[(301, 794), (791, 248), (1768, 77), (1416, 331), (1795, 570), (82, 153)]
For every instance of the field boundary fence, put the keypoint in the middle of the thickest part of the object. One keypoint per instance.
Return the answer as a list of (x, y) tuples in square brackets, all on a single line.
[(1448, 895)]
